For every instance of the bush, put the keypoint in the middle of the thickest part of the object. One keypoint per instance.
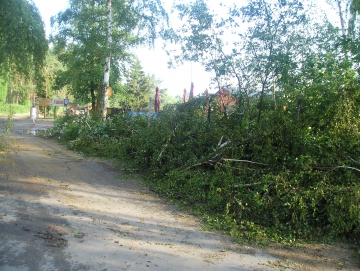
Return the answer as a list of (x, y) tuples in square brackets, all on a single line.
[(15, 109)]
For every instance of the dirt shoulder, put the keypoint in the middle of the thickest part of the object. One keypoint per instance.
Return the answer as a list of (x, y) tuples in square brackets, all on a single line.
[(61, 211)]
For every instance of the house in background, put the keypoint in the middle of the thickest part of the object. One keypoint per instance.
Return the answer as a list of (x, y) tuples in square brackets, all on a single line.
[(226, 99)]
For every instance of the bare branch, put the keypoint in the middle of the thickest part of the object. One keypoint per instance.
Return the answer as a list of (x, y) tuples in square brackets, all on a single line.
[(244, 161), (167, 142), (250, 184), (344, 167), (353, 160)]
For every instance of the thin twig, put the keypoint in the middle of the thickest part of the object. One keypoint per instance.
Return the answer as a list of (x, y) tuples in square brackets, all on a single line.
[(250, 184), (220, 141), (131, 129), (224, 144), (244, 161), (240, 169), (353, 160), (167, 142), (88, 125), (344, 167)]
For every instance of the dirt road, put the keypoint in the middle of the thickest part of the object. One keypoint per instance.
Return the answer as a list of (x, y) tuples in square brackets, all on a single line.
[(60, 211)]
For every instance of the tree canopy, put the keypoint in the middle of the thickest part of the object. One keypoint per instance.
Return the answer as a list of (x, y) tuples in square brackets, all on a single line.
[(23, 44), (80, 40)]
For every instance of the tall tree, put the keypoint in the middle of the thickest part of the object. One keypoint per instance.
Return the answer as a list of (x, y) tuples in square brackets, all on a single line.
[(3, 91), (272, 41), (92, 33), (105, 87), (51, 69), (23, 44), (138, 88), (21, 90)]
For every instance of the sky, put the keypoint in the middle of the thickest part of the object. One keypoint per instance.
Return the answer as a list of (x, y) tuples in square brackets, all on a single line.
[(154, 61)]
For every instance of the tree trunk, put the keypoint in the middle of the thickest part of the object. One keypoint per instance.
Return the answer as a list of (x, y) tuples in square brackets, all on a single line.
[(104, 103), (93, 99), (342, 21)]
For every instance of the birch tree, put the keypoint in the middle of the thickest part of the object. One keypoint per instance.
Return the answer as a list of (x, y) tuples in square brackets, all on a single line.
[(104, 103), (93, 39)]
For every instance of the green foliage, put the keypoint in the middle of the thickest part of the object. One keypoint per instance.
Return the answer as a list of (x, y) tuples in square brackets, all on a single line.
[(135, 93), (19, 89), (23, 44), (277, 180), (3, 90), (15, 108), (3, 144), (83, 57), (80, 41), (52, 68), (138, 88)]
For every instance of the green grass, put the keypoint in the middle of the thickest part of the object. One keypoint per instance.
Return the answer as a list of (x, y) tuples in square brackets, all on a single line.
[(15, 108)]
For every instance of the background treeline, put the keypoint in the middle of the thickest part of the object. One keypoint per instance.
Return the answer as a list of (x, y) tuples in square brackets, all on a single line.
[(70, 62)]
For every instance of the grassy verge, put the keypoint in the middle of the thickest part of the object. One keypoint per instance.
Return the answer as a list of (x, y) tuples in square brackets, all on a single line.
[(14, 108)]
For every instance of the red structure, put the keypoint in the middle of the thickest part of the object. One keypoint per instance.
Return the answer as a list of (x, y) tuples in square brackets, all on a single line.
[(226, 99), (184, 96)]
